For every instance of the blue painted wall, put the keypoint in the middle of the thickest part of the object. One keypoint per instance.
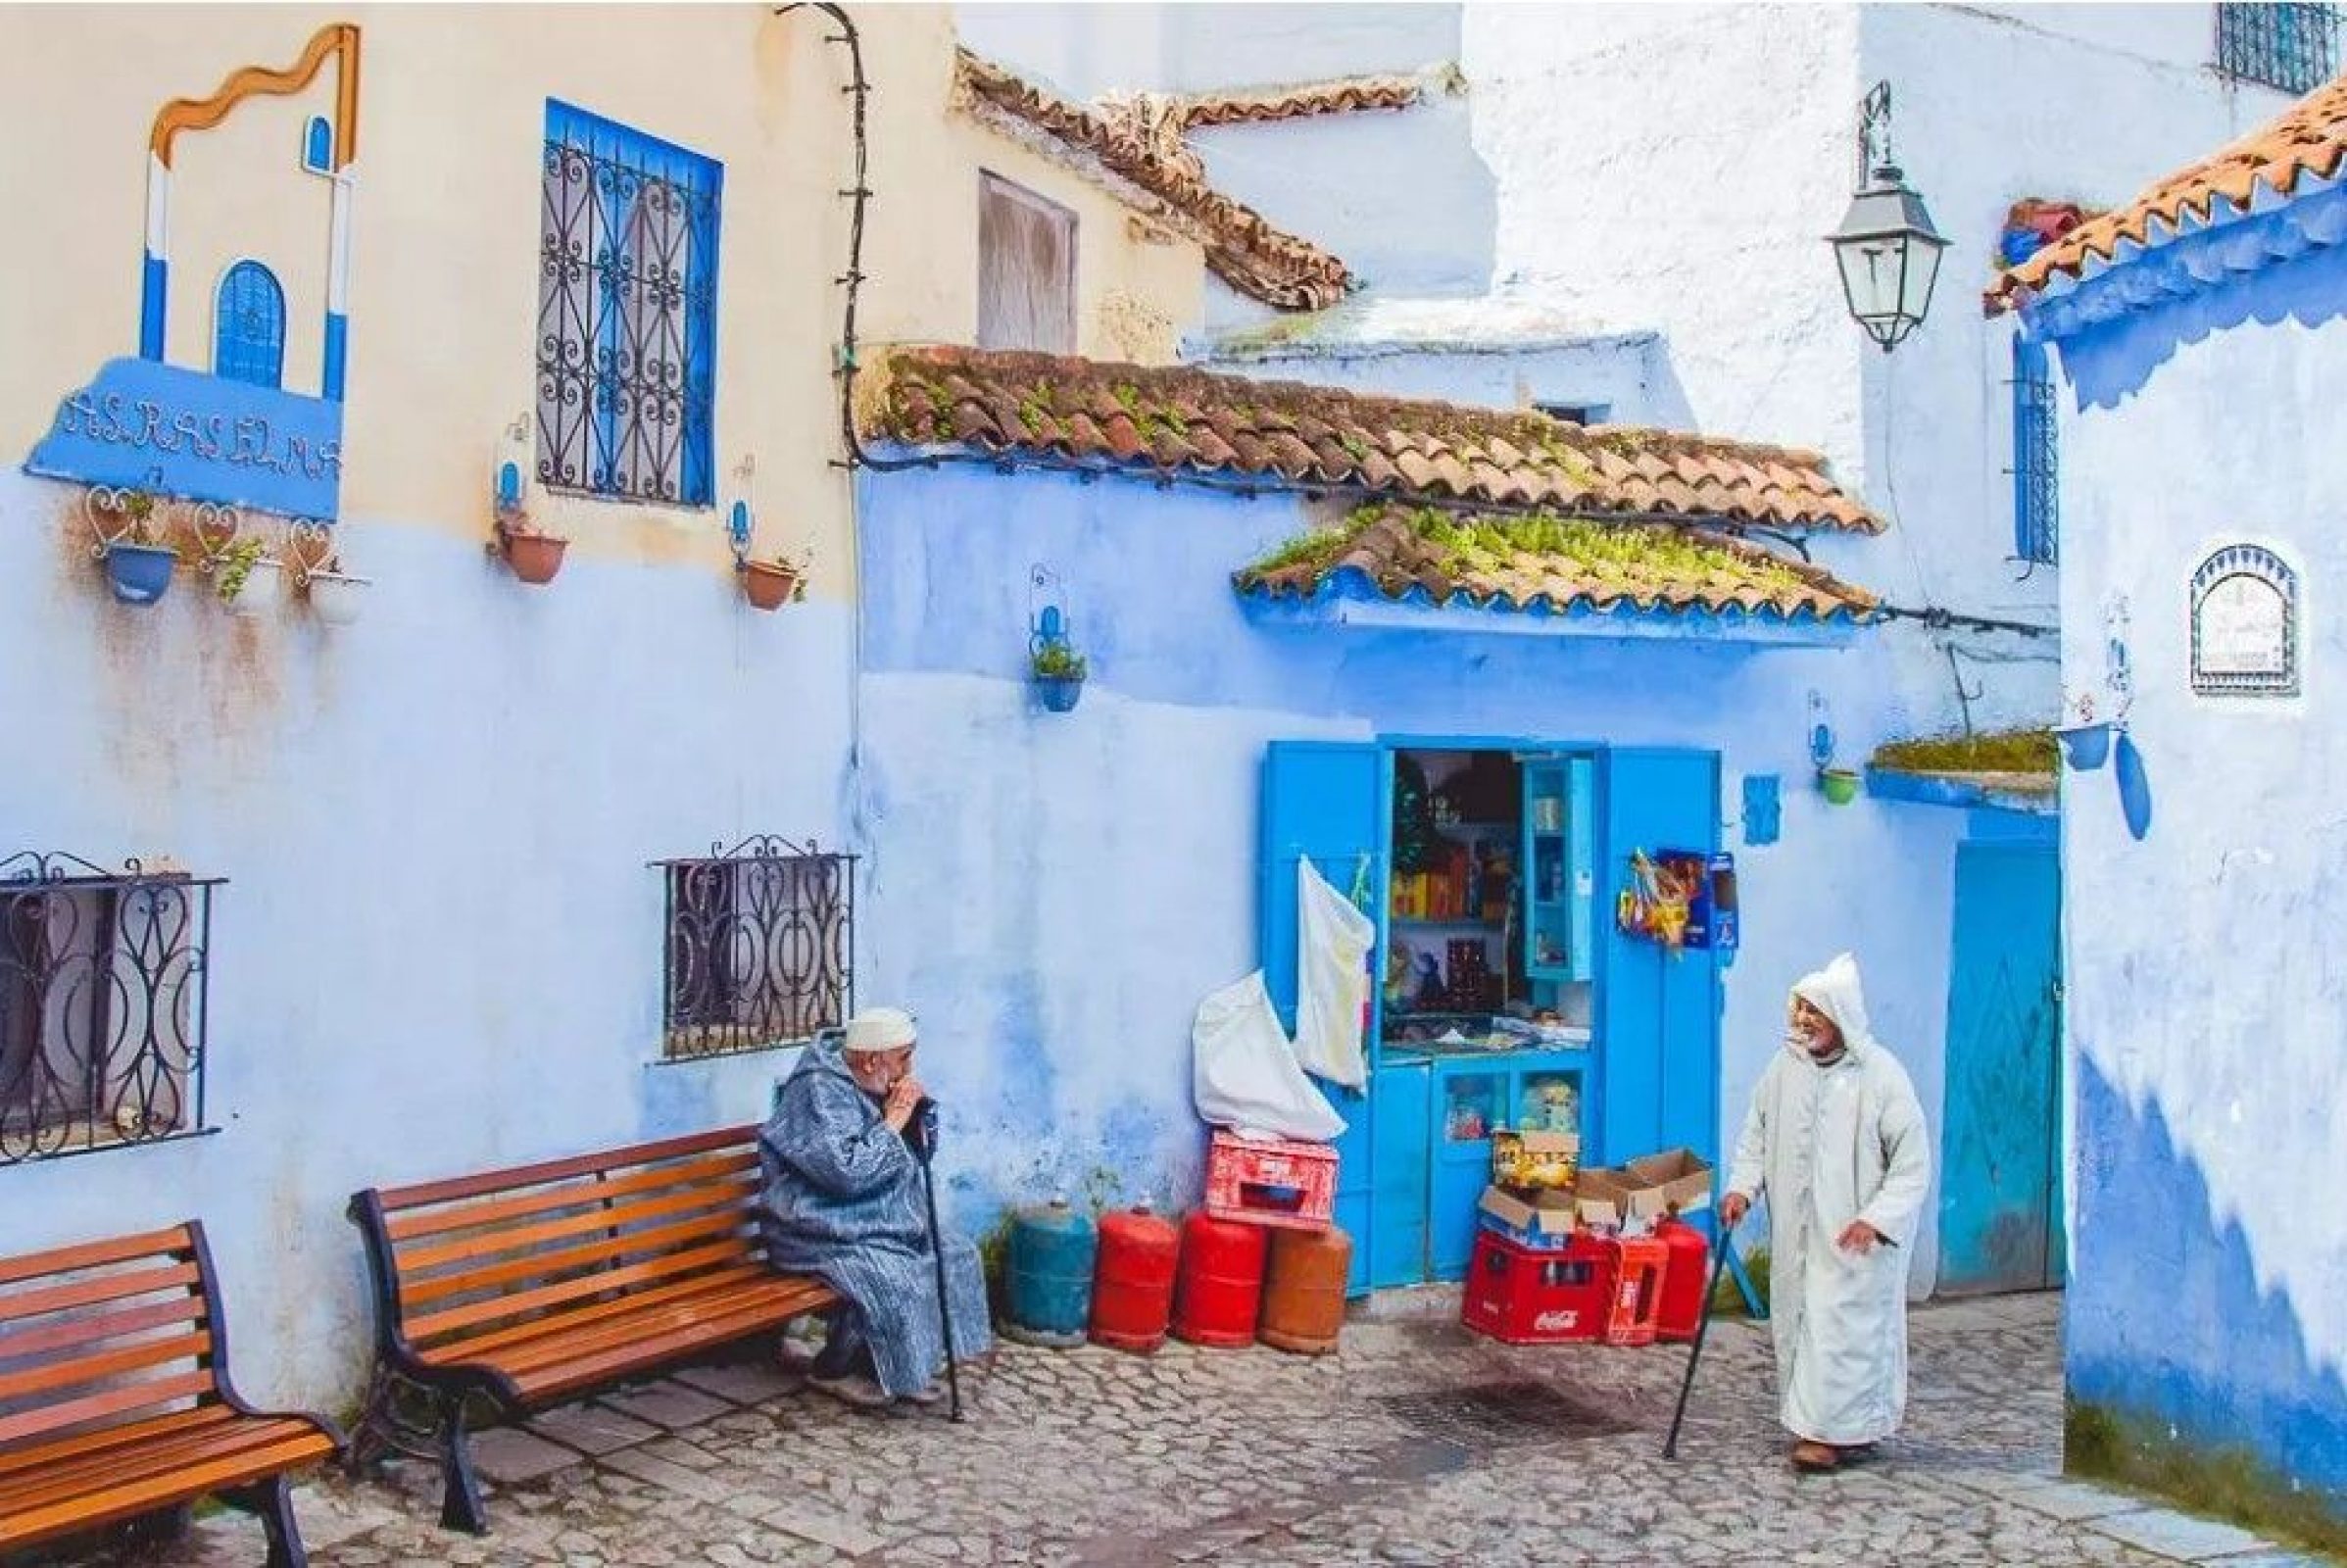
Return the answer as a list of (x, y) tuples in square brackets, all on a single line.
[(1055, 894), (2209, 1274)]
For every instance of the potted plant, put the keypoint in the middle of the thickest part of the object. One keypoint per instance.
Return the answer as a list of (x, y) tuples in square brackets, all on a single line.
[(2086, 741), (249, 582), (138, 559), (1058, 672), (771, 584), (1840, 785), (536, 557)]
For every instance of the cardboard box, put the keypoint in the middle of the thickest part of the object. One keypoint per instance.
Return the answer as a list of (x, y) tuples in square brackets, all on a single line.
[(1543, 1160), (1544, 1220), (1672, 1179), (1603, 1196)]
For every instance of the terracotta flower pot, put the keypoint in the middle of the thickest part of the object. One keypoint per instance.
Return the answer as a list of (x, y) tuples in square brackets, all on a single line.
[(534, 557), (768, 585)]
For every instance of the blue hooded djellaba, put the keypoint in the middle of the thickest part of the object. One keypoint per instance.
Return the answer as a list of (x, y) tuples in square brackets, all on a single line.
[(843, 1202)]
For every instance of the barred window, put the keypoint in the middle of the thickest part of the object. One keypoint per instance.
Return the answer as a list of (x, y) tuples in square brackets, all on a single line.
[(247, 327), (102, 1006), (761, 947), (2293, 47), (2037, 478), (628, 300)]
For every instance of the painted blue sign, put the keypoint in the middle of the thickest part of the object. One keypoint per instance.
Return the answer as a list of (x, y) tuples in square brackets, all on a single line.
[(180, 432)]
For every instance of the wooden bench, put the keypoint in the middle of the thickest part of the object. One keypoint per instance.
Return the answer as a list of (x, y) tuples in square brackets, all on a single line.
[(526, 1287), (115, 1398)]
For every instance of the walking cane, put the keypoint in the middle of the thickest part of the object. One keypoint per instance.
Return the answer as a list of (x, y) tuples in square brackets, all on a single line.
[(926, 1117), (1719, 1266)]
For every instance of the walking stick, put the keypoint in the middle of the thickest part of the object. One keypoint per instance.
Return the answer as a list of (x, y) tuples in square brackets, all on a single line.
[(925, 1115), (1686, 1385)]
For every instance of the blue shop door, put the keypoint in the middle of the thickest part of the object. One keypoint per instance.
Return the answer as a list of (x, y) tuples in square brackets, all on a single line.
[(1658, 1013), (2000, 1192), (1325, 801)]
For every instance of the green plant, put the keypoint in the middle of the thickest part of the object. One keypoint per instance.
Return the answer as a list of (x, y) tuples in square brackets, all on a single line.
[(1728, 1300), (137, 509), (236, 562), (1058, 662), (2020, 751)]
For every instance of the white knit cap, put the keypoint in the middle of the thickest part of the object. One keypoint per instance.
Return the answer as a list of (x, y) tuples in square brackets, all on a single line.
[(879, 1029)]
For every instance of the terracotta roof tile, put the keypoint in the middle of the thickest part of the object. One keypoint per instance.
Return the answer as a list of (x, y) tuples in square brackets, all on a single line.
[(1195, 420), (1342, 96), (2310, 138), (1541, 561), (1242, 249)]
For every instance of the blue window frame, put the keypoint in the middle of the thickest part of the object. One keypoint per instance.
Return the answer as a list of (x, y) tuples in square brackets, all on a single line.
[(2292, 47), (2036, 487), (627, 307), (247, 327)]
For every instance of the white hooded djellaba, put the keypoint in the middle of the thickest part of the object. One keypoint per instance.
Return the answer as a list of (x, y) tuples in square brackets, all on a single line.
[(1827, 1145)]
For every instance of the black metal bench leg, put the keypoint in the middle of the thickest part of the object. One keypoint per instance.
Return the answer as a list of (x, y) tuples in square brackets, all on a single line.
[(460, 1500), (272, 1502)]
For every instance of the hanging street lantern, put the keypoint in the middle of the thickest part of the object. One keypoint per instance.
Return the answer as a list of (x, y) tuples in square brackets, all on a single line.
[(1887, 248)]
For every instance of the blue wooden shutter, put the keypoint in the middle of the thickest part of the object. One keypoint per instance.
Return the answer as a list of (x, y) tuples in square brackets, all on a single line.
[(1658, 1023), (1322, 801), (2036, 492)]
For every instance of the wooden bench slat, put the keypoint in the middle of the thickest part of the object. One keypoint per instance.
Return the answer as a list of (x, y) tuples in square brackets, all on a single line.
[(573, 1341), (432, 1325), (33, 1454), (564, 1375), (493, 1241), (143, 1496), (16, 1344), (546, 1265), (91, 1293), (65, 1373), (395, 1199), (174, 1242), (114, 1401), (489, 1340), (414, 1223), (66, 1476)]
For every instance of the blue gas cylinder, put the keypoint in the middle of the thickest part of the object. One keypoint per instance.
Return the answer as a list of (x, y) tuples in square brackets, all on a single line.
[(1053, 1248)]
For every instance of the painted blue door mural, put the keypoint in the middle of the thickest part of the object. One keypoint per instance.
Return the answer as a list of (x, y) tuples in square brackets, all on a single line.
[(247, 327), (1326, 800), (2000, 1204), (1658, 1013)]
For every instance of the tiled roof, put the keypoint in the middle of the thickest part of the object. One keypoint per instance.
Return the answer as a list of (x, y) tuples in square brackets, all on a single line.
[(1344, 96), (2304, 145), (1544, 562), (1244, 250), (1181, 419)]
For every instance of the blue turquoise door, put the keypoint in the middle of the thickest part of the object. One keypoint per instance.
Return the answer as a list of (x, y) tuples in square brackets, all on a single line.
[(1325, 801), (2001, 1193), (1658, 1013)]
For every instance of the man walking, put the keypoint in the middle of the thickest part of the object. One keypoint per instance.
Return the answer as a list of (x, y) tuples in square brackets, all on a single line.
[(1835, 1141)]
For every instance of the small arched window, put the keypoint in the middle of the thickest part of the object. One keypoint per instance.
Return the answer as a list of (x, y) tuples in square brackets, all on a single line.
[(247, 327), (317, 146)]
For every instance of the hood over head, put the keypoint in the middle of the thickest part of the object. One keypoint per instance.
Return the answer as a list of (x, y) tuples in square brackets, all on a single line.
[(1836, 992)]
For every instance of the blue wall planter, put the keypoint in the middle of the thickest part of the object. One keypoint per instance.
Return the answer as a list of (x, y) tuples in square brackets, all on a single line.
[(1061, 693), (139, 573), (2085, 747)]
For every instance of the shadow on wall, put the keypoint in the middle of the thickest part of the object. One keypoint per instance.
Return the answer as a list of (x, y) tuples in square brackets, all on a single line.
[(2183, 1375)]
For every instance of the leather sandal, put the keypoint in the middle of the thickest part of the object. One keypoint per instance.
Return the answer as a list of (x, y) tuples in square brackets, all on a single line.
[(1815, 1458)]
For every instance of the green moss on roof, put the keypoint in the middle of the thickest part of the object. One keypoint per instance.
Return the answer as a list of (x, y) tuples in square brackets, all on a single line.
[(1624, 552), (2015, 751)]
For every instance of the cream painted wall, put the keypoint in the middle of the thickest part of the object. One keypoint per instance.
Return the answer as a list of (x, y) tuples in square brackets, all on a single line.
[(445, 285)]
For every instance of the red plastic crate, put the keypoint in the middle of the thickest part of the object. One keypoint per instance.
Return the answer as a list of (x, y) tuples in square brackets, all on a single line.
[(1538, 1296), (1634, 1311), (1284, 1185)]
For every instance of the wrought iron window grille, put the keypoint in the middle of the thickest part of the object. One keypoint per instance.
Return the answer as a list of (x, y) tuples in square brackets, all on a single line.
[(2294, 47), (627, 305), (2036, 456), (104, 979), (761, 947)]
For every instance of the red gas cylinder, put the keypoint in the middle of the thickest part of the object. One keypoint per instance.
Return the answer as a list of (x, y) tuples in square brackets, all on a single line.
[(1684, 1274), (1133, 1285), (1219, 1290)]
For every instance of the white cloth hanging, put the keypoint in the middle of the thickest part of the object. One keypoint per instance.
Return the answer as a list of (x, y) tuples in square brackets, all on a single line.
[(1243, 1074), (1332, 981)]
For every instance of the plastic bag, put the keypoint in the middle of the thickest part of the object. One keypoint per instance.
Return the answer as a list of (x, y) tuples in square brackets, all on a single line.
[(1243, 1074), (1332, 981)]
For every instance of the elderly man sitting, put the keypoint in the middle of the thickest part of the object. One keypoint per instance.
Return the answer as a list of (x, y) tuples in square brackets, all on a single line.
[(842, 1201)]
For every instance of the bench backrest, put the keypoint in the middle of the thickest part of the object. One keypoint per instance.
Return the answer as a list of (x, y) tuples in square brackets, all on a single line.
[(465, 1259), (107, 1333)]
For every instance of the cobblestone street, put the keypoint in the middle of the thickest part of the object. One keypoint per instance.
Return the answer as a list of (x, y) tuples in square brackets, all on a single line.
[(1418, 1444)]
